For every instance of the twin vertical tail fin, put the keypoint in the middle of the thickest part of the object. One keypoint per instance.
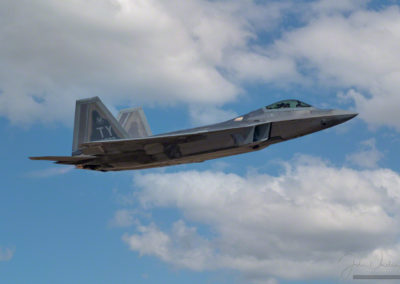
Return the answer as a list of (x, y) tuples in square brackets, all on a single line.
[(134, 122), (94, 122)]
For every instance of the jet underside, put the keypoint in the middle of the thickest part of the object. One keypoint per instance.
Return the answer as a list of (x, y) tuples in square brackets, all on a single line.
[(193, 146)]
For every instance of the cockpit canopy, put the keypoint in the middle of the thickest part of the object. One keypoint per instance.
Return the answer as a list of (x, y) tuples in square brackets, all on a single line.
[(287, 104)]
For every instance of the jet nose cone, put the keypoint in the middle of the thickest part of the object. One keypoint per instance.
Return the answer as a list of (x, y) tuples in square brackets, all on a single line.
[(347, 116), (338, 117)]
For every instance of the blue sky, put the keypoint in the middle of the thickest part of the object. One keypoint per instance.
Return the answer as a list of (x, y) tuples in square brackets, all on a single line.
[(286, 214)]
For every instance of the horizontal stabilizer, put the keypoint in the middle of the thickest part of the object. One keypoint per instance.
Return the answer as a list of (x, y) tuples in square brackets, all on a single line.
[(68, 160)]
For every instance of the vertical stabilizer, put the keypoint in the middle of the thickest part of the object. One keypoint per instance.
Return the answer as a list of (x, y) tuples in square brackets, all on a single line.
[(134, 122), (94, 122)]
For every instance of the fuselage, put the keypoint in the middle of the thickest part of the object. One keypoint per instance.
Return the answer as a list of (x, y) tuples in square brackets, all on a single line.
[(250, 132), (102, 143)]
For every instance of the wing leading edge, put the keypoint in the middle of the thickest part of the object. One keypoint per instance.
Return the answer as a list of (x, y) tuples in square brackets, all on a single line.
[(234, 136)]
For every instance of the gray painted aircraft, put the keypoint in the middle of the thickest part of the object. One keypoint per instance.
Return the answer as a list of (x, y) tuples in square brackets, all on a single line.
[(104, 143)]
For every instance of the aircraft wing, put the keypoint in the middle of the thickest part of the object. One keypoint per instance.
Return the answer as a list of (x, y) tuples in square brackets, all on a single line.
[(158, 148), (226, 137)]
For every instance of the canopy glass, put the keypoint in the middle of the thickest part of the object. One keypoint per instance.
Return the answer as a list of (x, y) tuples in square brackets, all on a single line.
[(287, 104)]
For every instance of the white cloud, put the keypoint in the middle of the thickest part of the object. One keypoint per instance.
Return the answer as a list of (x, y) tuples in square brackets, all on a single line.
[(368, 156), (182, 246), (126, 51), (271, 68), (357, 49), (331, 7), (296, 225), (131, 52), (209, 114), (6, 254)]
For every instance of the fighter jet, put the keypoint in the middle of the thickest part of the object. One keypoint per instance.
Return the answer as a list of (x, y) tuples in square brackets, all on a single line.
[(103, 143)]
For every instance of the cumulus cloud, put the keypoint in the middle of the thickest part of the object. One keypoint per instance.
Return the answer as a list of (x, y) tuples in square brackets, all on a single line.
[(368, 156), (6, 254), (209, 114), (126, 51), (296, 225), (182, 246), (332, 7), (356, 50), (131, 52)]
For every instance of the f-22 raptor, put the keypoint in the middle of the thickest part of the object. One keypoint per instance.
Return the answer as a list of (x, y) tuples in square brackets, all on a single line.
[(103, 143)]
